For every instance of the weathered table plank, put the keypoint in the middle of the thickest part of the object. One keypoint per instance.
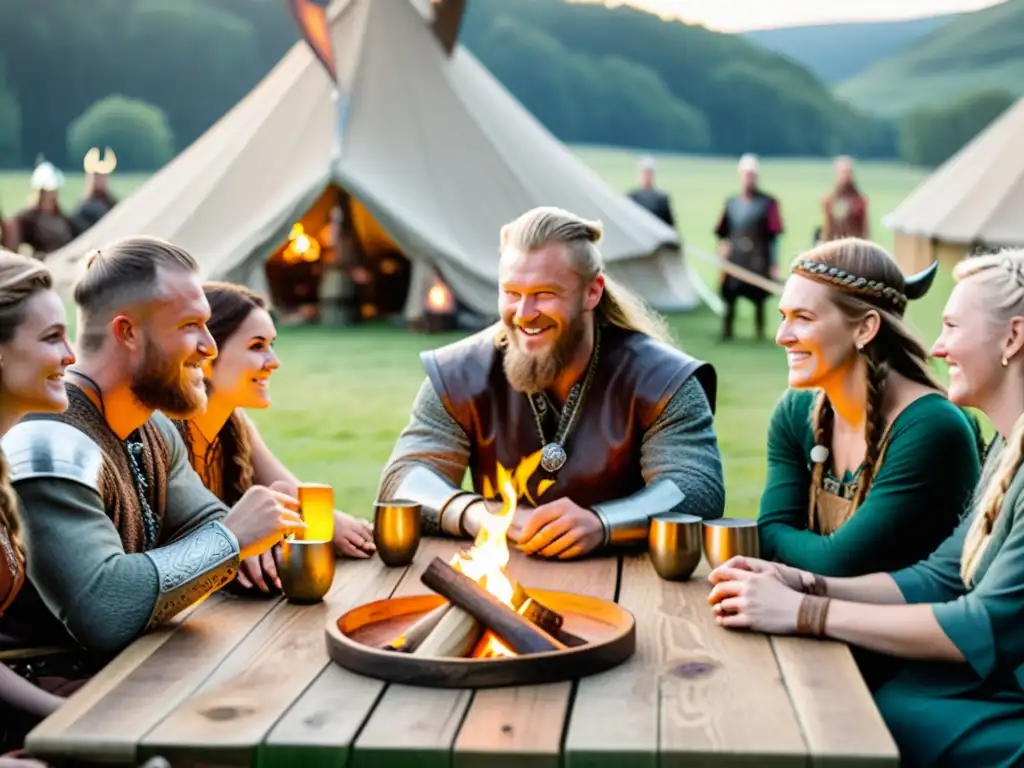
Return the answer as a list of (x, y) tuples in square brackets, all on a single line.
[(841, 724), (692, 692), (614, 719), (410, 722), (520, 725), (229, 715), (86, 697), (722, 696), (110, 731)]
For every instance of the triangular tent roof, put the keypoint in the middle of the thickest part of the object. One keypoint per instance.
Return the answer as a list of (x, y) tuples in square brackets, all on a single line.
[(434, 147), (977, 196)]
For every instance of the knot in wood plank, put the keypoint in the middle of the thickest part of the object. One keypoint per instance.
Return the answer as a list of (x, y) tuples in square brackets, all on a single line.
[(222, 713), (694, 668)]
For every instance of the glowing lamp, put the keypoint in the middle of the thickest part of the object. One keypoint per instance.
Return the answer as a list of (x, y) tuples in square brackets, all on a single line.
[(440, 308), (316, 506), (301, 247)]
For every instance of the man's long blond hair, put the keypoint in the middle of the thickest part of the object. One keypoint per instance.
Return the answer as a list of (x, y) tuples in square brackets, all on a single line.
[(1001, 277), (618, 306)]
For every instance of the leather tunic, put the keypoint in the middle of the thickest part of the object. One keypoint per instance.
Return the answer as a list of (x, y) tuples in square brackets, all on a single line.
[(635, 379)]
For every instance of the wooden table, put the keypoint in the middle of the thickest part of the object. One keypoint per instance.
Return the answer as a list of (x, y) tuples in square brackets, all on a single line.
[(240, 681)]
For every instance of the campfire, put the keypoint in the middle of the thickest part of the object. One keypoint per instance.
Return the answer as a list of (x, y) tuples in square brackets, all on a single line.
[(486, 614), (480, 627)]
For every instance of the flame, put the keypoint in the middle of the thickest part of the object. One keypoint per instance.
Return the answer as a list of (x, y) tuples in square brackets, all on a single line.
[(485, 561), (439, 298), (301, 247)]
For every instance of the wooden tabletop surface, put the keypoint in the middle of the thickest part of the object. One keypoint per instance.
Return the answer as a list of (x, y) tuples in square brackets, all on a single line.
[(242, 681)]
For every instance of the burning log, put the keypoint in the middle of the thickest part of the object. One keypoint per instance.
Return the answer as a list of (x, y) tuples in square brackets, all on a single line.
[(410, 640), (517, 632), (456, 634)]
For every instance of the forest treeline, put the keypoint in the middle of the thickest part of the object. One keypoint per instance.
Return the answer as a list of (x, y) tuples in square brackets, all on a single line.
[(149, 76)]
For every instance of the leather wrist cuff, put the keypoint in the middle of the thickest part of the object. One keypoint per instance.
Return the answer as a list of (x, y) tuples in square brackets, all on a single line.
[(627, 521), (438, 497), (817, 586), (191, 568), (812, 615), (453, 516)]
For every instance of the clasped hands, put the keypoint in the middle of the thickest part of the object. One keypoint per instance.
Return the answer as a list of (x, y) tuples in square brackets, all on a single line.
[(749, 593)]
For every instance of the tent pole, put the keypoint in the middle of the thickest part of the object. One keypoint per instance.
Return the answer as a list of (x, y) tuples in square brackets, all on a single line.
[(335, 283)]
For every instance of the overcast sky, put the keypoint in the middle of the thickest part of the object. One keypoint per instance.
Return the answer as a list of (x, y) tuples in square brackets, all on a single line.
[(735, 15)]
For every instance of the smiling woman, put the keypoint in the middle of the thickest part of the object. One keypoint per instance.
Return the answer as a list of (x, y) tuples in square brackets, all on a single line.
[(869, 465), (34, 352), (224, 446)]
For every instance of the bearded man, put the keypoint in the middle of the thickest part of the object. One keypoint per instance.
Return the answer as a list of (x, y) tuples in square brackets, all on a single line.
[(580, 370), (121, 533)]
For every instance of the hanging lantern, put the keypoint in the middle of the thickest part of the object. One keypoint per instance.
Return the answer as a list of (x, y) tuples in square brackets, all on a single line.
[(301, 247), (439, 310)]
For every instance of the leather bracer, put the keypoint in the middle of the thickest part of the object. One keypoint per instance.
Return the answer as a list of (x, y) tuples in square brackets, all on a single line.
[(627, 520), (438, 497), (191, 568)]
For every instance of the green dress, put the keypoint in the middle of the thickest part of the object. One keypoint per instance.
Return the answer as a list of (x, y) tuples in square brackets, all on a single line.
[(969, 714), (921, 490)]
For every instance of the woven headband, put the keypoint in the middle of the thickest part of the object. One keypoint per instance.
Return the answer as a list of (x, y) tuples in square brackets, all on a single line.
[(840, 278)]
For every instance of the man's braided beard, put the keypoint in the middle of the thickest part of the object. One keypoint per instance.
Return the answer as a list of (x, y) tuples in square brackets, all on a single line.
[(536, 373), (161, 385)]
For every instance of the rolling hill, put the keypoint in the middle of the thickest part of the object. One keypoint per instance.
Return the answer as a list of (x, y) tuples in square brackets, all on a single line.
[(983, 50), (837, 52)]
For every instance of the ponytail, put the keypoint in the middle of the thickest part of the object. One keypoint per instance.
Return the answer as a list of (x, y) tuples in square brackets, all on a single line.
[(623, 308)]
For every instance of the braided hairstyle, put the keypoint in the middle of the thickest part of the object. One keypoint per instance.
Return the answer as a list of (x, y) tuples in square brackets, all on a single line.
[(1001, 276), (21, 278), (865, 278), (230, 305)]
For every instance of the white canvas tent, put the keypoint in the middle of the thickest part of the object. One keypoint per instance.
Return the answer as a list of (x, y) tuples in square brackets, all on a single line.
[(431, 145), (973, 200)]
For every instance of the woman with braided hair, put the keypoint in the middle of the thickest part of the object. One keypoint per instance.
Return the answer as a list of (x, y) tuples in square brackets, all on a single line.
[(952, 622), (34, 352), (224, 446), (869, 465)]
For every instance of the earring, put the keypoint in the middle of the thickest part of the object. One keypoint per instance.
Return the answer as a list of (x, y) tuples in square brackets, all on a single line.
[(860, 347), (1005, 361)]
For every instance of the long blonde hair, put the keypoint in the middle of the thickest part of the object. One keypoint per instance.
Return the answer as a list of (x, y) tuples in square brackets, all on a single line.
[(1001, 276), (618, 306), (21, 278), (864, 278)]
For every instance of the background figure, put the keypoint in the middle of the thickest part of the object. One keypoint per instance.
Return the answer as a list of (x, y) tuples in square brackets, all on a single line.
[(649, 196), (43, 226), (748, 231), (96, 200), (845, 208)]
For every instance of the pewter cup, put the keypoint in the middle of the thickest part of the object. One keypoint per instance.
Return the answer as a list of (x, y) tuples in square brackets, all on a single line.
[(306, 569), (674, 543), (396, 531), (730, 536)]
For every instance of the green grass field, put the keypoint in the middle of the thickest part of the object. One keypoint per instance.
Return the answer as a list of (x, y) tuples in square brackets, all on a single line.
[(341, 397)]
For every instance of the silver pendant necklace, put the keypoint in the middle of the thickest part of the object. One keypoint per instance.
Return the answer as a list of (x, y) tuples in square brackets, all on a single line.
[(553, 455)]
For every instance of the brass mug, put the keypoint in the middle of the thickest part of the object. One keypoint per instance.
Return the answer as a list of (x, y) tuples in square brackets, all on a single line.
[(306, 569), (727, 537), (674, 545), (396, 530)]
